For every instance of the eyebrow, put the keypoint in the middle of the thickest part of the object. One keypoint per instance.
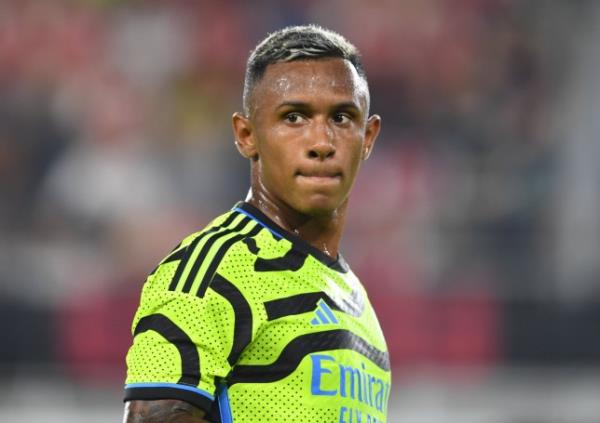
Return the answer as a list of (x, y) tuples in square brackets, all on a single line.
[(293, 104), (304, 105)]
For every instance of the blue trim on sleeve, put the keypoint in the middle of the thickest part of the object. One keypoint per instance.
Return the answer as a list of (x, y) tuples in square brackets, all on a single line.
[(264, 225), (173, 386), (224, 406)]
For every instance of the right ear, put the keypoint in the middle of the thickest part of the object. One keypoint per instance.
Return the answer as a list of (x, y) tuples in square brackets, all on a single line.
[(244, 136)]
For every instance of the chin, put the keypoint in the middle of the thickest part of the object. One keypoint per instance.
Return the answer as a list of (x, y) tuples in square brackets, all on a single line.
[(320, 206)]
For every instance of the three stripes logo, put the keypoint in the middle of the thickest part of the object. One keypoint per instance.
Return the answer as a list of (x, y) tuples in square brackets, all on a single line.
[(323, 315), (202, 257)]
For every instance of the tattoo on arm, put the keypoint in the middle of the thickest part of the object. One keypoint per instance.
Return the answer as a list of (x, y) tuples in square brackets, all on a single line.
[(162, 411)]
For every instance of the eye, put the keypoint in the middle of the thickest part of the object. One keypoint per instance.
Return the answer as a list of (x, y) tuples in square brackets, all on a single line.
[(294, 117), (342, 118)]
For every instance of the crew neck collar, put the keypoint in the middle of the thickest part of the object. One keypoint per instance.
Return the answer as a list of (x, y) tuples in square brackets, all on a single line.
[(253, 212)]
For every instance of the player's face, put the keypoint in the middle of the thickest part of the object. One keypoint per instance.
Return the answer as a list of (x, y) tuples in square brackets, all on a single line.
[(307, 134)]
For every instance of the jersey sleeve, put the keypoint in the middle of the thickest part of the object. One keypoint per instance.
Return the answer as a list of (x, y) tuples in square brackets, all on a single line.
[(181, 342)]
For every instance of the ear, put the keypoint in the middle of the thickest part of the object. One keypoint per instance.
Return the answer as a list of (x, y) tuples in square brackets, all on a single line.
[(371, 133), (244, 136)]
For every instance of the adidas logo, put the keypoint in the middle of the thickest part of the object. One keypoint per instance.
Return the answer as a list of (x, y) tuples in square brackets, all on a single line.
[(323, 315)]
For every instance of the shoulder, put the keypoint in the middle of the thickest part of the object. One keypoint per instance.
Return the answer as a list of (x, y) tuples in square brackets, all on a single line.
[(192, 264), (184, 297)]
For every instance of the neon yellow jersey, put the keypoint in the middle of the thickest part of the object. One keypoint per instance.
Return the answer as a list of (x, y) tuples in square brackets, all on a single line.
[(252, 324)]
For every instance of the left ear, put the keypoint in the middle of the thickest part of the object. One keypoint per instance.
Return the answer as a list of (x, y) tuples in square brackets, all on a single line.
[(371, 133)]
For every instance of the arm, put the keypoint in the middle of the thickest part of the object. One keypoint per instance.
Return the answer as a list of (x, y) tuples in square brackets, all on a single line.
[(162, 411)]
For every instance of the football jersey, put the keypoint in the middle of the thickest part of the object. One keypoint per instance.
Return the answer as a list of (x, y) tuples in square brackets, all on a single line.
[(252, 324)]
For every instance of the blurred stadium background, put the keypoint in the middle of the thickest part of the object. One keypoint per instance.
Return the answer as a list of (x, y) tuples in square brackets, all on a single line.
[(475, 225)]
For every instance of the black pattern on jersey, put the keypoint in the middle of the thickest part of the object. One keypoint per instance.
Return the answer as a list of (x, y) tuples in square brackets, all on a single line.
[(300, 347), (207, 250), (300, 246), (292, 260), (354, 305), (176, 254), (204, 250), (251, 244), (212, 268), (242, 332), (190, 360), (192, 246)]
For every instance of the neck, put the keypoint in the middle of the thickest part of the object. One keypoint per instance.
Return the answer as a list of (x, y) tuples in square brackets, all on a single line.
[(323, 232)]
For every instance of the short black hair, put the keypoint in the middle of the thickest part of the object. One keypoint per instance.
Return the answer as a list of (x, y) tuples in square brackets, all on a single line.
[(297, 43)]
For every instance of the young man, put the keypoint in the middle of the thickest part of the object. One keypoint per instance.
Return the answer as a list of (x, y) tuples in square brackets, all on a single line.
[(258, 318)]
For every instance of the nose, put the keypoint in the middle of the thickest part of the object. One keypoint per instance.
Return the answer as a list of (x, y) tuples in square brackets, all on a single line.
[(322, 146)]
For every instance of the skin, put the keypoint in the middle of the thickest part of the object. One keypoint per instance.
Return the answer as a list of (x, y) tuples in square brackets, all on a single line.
[(162, 411), (306, 134)]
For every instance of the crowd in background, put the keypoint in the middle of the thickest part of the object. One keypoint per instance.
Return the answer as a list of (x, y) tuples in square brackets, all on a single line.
[(115, 142)]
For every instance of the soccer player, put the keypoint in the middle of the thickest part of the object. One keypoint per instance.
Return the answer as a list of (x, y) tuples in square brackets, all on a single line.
[(258, 318)]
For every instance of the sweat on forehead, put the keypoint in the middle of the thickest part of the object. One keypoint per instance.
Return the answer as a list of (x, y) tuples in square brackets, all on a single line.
[(306, 80)]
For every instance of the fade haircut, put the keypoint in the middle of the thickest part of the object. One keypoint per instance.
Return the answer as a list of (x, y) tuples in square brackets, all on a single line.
[(307, 42)]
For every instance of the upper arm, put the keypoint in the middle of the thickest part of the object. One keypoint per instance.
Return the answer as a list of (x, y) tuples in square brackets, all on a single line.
[(191, 324), (181, 344), (162, 411)]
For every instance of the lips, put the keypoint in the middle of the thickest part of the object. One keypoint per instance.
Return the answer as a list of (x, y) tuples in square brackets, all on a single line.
[(320, 173), (319, 176)]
